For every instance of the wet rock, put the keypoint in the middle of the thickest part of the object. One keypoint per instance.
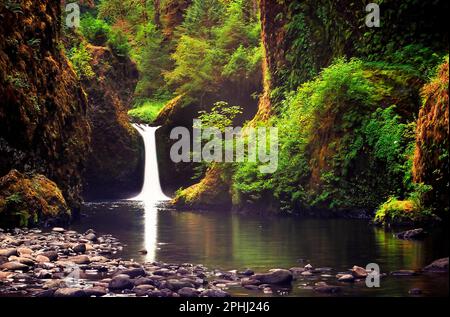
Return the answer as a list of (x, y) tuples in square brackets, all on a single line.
[(69, 292), (143, 251), (120, 282), (42, 259), (8, 252), (80, 259), (188, 292), (247, 281), (23, 251), (183, 271), (22, 260), (415, 291), (143, 290), (297, 270), (95, 291), (306, 273), (246, 272), (440, 265), (278, 276), (79, 248), (327, 289), (5, 275), (414, 234), (52, 255), (91, 237), (308, 267), (133, 273), (175, 285), (14, 266), (404, 273), (214, 293), (346, 278), (43, 274), (144, 281), (359, 272), (45, 293), (58, 229), (251, 287), (54, 284)]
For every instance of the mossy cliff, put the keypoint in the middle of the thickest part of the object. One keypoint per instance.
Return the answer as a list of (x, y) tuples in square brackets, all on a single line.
[(431, 157), (43, 109), (346, 98), (115, 165)]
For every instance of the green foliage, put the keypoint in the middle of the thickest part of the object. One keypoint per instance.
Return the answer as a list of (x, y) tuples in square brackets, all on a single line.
[(118, 42), (221, 116), (96, 31), (411, 210), (15, 198), (80, 58), (339, 147), (152, 58), (147, 110), (217, 41)]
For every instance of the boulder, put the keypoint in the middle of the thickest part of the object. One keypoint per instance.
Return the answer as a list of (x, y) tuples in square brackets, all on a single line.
[(414, 234), (188, 292), (278, 276), (14, 266), (440, 265), (69, 292), (359, 272), (120, 282)]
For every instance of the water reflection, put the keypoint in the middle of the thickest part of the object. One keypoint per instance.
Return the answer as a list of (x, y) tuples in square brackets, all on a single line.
[(150, 230), (230, 241)]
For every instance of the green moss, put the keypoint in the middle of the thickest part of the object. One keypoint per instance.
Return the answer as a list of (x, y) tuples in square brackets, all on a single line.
[(147, 110)]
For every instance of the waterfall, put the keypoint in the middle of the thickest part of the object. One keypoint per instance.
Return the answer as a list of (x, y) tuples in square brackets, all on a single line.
[(151, 191)]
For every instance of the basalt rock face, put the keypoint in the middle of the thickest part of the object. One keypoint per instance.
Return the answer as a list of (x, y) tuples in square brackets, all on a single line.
[(43, 122), (431, 161), (115, 166)]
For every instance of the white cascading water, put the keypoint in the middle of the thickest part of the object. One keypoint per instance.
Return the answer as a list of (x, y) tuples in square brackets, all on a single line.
[(151, 191)]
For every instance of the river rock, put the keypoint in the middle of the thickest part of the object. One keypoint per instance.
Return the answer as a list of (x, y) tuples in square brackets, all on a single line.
[(175, 285), (133, 273), (308, 267), (404, 273), (95, 291), (69, 292), (80, 259), (42, 258), (22, 260), (214, 293), (91, 237), (327, 289), (143, 290), (359, 272), (79, 248), (346, 278), (278, 276), (8, 252), (414, 234), (58, 229), (145, 281), (297, 270), (415, 291), (22, 251), (440, 265), (120, 282), (188, 292), (246, 272), (14, 266), (52, 255)]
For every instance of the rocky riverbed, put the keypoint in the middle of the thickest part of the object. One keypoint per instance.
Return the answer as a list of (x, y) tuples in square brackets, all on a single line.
[(62, 263)]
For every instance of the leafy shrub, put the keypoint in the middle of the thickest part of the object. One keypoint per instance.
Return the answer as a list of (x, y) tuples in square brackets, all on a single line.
[(80, 58), (118, 42), (147, 110), (96, 31)]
